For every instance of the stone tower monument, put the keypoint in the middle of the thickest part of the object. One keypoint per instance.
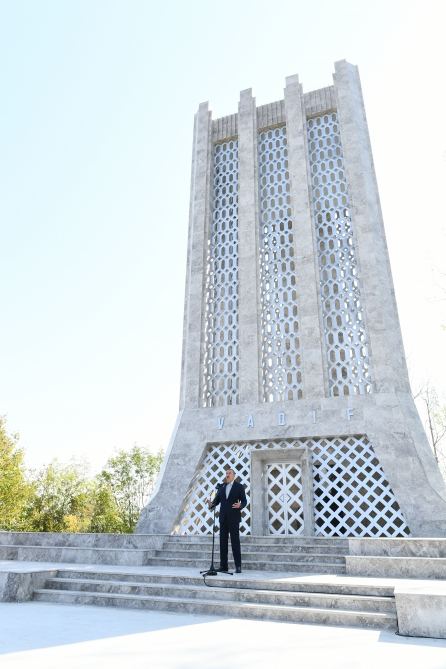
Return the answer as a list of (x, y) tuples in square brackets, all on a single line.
[(293, 367)]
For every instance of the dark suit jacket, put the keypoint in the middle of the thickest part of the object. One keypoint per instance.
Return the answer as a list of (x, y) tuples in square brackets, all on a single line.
[(237, 494)]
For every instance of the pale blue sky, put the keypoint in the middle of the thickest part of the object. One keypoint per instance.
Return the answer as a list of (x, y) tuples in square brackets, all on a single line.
[(96, 120)]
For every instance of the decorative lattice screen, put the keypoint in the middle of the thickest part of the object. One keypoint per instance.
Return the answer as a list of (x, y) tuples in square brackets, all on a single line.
[(350, 492), (281, 363), (221, 348), (345, 336)]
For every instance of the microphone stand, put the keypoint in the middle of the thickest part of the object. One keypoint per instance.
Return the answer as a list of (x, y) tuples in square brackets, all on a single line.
[(211, 571)]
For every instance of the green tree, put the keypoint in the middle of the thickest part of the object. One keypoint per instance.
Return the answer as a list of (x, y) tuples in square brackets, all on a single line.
[(105, 515), (130, 477), (14, 488), (63, 499)]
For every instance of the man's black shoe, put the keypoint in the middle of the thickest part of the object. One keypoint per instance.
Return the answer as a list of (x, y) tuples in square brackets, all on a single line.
[(224, 571), (238, 570)]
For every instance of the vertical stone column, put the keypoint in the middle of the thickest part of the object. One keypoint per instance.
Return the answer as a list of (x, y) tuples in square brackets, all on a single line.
[(196, 259), (248, 249), (388, 365), (307, 276)]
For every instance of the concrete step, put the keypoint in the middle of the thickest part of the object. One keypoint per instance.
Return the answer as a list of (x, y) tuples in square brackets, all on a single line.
[(266, 555), (147, 541), (279, 597), (258, 547), (248, 564), (212, 606), (270, 539), (328, 586), (76, 554), (267, 560)]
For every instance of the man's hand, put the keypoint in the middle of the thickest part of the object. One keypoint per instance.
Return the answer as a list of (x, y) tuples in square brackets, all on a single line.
[(237, 505)]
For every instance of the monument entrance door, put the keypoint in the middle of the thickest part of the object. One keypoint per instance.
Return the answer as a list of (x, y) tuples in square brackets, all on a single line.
[(281, 492), (284, 498)]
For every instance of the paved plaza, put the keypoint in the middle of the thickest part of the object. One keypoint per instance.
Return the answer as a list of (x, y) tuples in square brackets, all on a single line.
[(41, 635)]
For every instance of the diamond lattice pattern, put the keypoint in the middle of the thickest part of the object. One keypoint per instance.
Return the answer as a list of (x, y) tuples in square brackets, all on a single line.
[(281, 362), (221, 349), (350, 492), (285, 500), (344, 331)]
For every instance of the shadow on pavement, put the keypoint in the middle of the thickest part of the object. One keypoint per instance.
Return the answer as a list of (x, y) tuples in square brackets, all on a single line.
[(32, 625)]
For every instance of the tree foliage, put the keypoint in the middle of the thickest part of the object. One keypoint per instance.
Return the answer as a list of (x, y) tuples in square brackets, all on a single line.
[(15, 490), (62, 498), (130, 477), (105, 516)]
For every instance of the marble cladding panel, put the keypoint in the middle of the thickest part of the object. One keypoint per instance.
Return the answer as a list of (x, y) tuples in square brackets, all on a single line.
[(421, 610), (78, 540), (434, 548), (18, 586), (396, 567)]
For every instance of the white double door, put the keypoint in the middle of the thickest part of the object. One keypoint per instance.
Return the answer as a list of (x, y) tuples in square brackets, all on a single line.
[(284, 497)]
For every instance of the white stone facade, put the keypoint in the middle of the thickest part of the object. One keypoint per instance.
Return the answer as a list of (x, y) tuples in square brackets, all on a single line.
[(292, 343)]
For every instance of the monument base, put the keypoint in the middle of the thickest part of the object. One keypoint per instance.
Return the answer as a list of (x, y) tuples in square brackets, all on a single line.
[(359, 466)]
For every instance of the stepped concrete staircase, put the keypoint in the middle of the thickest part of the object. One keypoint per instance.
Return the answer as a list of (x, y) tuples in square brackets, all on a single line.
[(292, 579), (288, 600), (283, 554), (298, 555)]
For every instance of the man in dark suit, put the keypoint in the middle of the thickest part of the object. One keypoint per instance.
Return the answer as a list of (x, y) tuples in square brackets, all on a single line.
[(232, 499)]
